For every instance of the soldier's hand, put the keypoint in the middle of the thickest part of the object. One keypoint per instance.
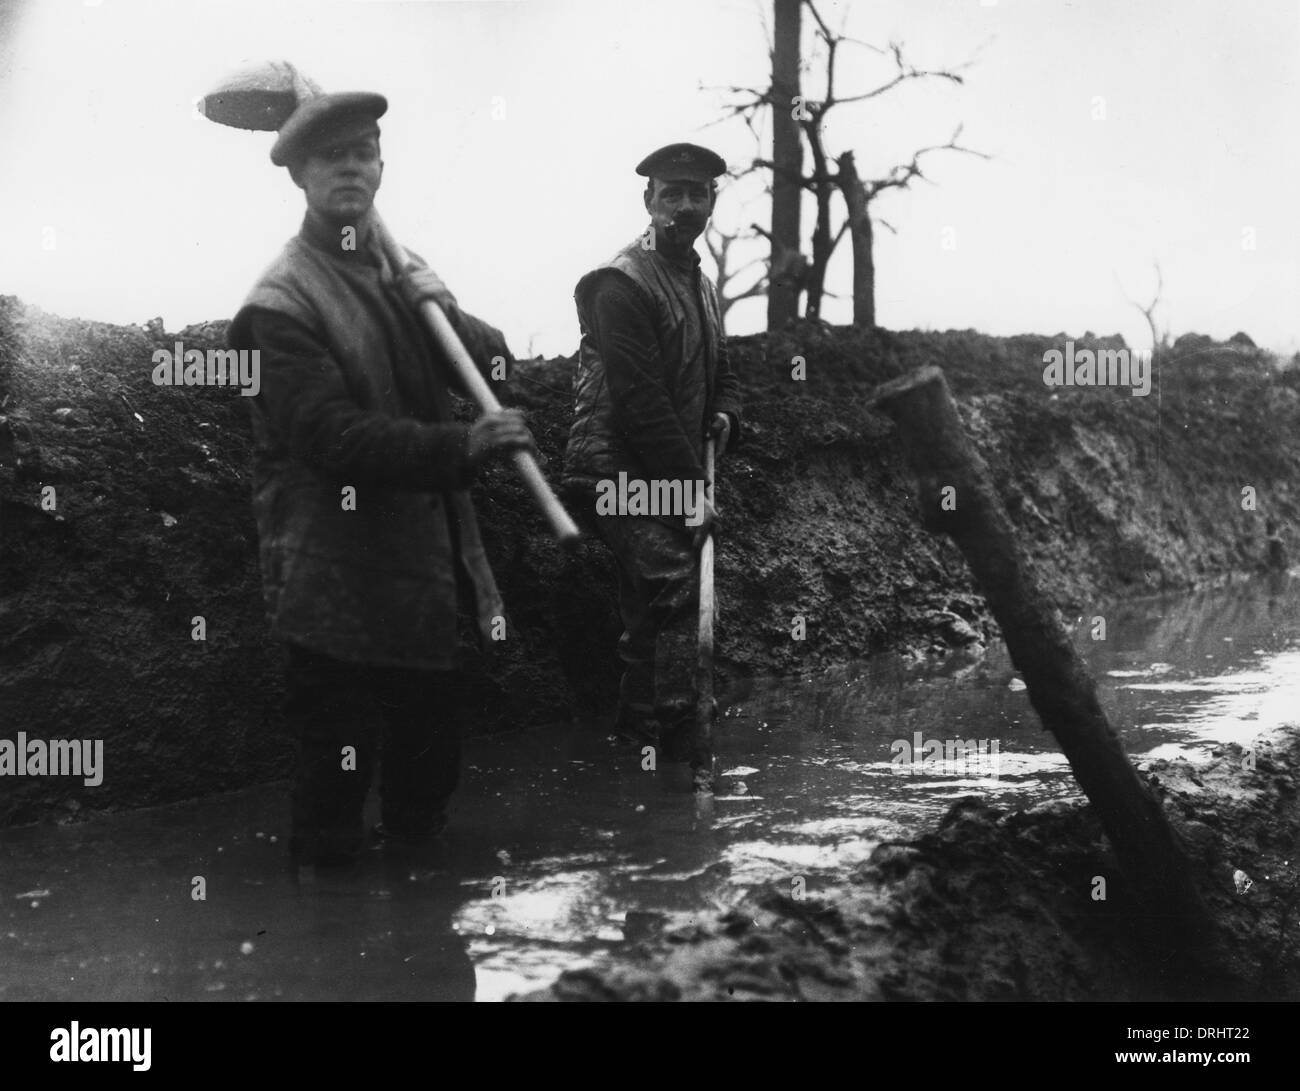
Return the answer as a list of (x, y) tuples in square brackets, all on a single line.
[(417, 285), (708, 523), (721, 431), (499, 432)]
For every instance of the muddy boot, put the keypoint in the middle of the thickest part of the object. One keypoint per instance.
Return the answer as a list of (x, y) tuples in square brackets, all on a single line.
[(331, 845), (405, 851), (702, 777), (386, 833), (676, 738), (637, 724), (313, 859), (681, 742), (703, 762)]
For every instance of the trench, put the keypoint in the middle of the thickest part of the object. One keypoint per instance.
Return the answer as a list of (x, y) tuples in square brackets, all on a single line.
[(562, 846)]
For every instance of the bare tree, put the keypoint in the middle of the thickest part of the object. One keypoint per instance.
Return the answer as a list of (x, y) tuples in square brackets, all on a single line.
[(832, 175)]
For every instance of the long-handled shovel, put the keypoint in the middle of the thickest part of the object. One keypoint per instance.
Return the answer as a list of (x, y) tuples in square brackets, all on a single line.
[(704, 707), (261, 98), (525, 465)]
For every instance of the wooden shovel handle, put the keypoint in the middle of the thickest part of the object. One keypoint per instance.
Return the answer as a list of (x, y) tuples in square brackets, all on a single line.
[(704, 665), (562, 525)]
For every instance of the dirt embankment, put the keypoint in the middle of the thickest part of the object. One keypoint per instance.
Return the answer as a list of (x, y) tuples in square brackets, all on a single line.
[(151, 527)]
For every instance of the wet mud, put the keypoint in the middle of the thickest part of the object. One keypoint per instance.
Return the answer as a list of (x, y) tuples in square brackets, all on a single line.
[(1113, 495), (1000, 905), (152, 528)]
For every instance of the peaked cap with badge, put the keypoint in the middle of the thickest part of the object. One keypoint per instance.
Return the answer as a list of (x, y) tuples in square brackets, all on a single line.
[(688, 162)]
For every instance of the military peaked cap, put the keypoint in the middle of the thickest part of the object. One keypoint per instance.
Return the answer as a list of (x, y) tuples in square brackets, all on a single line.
[(682, 161)]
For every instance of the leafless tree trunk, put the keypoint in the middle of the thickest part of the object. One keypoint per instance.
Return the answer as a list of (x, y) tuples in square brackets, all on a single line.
[(858, 196), (787, 169), (823, 243), (857, 200)]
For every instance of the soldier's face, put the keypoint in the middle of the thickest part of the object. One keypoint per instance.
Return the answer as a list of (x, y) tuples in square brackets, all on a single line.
[(680, 207), (340, 179)]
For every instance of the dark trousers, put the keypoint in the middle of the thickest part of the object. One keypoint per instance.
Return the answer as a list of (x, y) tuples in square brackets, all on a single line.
[(658, 595), (331, 706)]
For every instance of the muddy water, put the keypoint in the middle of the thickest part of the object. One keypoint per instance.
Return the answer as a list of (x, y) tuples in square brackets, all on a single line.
[(562, 845)]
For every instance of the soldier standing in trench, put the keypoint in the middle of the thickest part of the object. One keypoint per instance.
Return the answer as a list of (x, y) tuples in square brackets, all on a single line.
[(367, 535), (653, 381)]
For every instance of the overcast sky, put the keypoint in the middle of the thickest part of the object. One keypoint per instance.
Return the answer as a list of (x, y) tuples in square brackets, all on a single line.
[(125, 204)]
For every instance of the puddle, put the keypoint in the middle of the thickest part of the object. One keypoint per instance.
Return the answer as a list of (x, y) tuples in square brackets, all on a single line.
[(561, 845)]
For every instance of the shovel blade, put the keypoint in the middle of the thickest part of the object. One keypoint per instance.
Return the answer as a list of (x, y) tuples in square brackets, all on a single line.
[(260, 97), (259, 110)]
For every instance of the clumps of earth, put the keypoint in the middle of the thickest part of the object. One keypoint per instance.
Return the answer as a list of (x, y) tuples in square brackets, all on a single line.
[(998, 905)]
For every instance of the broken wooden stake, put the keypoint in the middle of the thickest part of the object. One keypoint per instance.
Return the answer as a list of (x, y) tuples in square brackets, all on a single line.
[(957, 498)]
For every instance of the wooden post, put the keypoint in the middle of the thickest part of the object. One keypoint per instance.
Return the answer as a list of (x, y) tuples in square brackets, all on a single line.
[(957, 498)]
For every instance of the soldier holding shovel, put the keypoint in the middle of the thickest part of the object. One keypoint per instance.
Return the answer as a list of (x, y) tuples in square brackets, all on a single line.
[(653, 384), (368, 538)]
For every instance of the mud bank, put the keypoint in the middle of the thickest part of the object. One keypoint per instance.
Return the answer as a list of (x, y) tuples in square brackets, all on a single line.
[(1000, 906), (151, 528)]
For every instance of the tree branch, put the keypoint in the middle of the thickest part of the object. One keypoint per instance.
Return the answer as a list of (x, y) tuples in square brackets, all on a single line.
[(901, 176), (1149, 311)]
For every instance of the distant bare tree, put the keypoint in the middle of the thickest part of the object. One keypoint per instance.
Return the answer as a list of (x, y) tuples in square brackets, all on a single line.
[(1159, 342), (719, 243)]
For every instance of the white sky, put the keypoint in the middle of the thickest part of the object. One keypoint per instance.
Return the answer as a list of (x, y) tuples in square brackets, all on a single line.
[(155, 211)]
